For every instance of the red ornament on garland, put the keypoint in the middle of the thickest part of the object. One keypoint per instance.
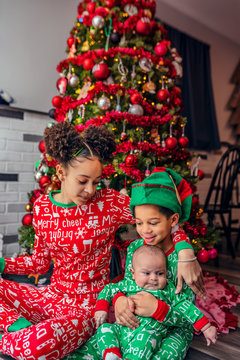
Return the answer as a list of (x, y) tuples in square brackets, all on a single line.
[(203, 255), (160, 49), (100, 71), (131, 160), (212, 253), (88, 64), (70, 41), (62, 85), (110, 3), (183, 141), (171, 142), (41, 146), (136, 98), (44, 181), (201, 174), (144, 26), (57, 101), (27, 219), (91, 7), (163, 94)]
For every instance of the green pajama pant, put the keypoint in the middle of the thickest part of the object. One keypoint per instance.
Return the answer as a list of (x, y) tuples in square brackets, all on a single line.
[(140, 343), (173, 347)]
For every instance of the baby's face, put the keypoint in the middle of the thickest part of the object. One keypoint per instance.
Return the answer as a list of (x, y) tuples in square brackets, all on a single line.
[(149, 271)]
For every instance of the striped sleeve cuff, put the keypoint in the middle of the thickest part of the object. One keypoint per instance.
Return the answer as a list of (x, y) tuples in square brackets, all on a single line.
[(199, 324), (102, 305), (161, 312), (119, 294)]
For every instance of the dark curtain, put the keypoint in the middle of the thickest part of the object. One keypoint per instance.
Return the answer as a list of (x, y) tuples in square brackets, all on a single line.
[(197, 94)]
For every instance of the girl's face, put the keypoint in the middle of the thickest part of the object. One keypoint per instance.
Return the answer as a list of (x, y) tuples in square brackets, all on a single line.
[(79, 180), (153, 226)]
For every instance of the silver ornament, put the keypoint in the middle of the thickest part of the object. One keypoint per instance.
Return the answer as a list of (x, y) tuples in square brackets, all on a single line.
[(136, 110), (38, 175), (73, 81), (131, 9), (145, 64), (104, 103), (98, 22)]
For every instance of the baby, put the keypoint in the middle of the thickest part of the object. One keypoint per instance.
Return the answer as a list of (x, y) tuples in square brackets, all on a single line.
[(148, 274)]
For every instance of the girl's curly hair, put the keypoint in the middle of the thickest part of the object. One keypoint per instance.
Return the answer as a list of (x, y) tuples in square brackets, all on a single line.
[(63, 141)]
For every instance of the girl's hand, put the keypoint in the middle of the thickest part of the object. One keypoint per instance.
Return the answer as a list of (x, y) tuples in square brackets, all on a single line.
[(210, 334), (145, 303), (191, 272), (124, 308), (100, 317)]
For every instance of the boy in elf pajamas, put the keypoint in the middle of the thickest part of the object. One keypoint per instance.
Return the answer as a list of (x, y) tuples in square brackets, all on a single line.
[(149, 272), (158, 204), (76, 226)]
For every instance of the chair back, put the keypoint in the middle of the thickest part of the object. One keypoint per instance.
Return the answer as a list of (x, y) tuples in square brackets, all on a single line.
[(225, 182)]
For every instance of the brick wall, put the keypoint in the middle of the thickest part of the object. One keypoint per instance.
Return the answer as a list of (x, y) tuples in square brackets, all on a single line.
[(20, 133)]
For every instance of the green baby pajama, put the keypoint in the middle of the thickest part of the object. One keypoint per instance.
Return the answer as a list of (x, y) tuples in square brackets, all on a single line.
[(146, 339)]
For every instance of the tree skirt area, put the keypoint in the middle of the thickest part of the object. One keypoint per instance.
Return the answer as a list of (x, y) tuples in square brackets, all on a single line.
[(217, 306)]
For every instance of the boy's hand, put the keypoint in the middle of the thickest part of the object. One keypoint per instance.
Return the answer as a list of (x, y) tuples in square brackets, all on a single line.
[(210, 334), (100, 317), (124, 308), (191, 272), (145, 303)]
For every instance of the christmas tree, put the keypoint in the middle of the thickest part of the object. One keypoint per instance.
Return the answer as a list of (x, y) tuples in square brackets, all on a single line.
[(121, 72)]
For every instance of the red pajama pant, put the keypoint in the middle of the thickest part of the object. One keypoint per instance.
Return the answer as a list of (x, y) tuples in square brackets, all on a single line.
[(61, 323)]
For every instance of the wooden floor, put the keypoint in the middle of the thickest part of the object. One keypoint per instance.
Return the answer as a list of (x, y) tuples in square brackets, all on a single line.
[(228, 345)]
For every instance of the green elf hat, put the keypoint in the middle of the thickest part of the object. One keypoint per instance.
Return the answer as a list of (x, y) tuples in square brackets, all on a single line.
[(164, 187)]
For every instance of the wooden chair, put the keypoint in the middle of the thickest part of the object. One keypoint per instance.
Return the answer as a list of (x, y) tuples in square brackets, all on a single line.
[(223, 194)]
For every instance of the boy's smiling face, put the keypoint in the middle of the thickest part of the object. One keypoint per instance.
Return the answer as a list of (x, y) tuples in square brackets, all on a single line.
[(153, 226)]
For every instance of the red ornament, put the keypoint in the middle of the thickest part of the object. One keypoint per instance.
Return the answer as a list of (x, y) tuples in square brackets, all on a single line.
[(100, 71), (203, 255), (195, 202), (183, 141), (201, 174), (41, 146), (131, 160), (144, 26), (91, 7), (88, 64), (57, 101), (123, 135), (44, 181), (110, 3), (171, 142), (212, 253), (163, 94), (27, 219), (136, 98), (70, 41), (62, 85), (161, 49)]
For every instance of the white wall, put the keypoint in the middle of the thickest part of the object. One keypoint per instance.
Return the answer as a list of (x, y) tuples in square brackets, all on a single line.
[(33, 36)]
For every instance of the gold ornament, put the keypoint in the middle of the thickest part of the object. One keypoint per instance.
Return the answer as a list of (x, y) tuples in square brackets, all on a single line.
[(85, 46), (28, 207)]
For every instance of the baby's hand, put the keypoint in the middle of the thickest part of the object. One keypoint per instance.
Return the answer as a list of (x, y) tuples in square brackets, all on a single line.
[(210, 334), (100, 317)]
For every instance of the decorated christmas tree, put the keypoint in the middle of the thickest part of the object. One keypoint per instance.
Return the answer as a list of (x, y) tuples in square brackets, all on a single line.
[(121, 71)]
